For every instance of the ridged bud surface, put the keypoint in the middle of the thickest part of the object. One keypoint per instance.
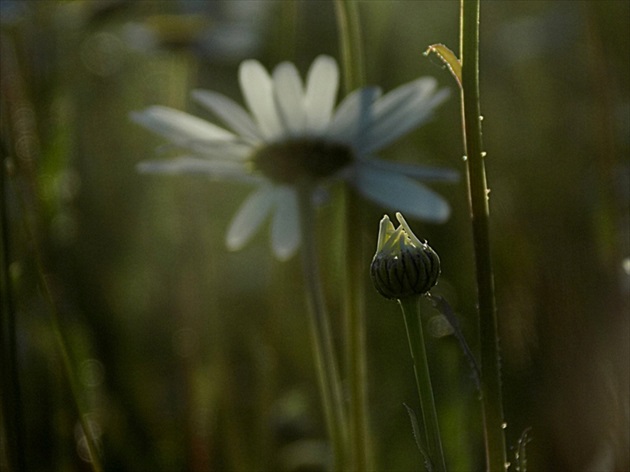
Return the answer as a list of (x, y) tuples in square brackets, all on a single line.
[(403, 266)]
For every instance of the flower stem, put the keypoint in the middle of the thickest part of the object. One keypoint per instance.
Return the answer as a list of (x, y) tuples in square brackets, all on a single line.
[(321, 337), (492, 403), (356, 339), (62, 344), (413, 324), (16, 100), (12, 407), (350, 43), (352, 59)]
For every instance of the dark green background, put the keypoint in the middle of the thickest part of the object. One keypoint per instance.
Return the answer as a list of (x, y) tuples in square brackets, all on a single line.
[(193, 358)]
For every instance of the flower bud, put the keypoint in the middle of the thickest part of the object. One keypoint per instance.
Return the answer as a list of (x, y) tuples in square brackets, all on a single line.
[(403, 266)]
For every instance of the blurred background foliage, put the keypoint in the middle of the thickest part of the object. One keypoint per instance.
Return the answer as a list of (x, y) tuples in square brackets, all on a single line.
[(193, 358)]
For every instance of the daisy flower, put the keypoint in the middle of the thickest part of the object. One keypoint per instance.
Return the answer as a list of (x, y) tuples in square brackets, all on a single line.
[(293, 135)]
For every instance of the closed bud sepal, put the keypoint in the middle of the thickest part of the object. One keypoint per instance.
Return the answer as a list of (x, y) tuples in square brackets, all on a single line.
[(403, 266)]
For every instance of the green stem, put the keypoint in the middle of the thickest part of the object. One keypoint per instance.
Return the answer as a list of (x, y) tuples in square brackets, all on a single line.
[(16, 100), (321, 337), (478, 193), (356, 337), (350, 44), (62, 344), (413, 324), (352, 59), (12, 408), (285, 35)]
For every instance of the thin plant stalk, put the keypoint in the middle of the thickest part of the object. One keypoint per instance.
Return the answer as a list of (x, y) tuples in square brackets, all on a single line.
[(16, 99), (413, 324), (62, 346), (352, 60), (356, 351), (285, 38), (492, 402), (350, 43), (68, 365), (321, 337), (12, 407)]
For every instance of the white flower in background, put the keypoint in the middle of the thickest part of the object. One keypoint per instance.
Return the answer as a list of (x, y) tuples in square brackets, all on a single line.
[(215, 31), (293, 135)]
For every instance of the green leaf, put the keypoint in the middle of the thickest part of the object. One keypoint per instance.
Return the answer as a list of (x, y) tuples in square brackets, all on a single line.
[(449, 59), (441, 305), (418, 438)]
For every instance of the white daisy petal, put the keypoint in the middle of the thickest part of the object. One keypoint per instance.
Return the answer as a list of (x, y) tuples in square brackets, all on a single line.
[(224, 150), (285, 229), (425, 173), (281, 106), (219, 150), (388, 106), (321, 90), (289, 95), (194, 165), (400, 193), (230, 112), (250, 217), (180, 128), (400, 111), (257, 89), (352, 115)]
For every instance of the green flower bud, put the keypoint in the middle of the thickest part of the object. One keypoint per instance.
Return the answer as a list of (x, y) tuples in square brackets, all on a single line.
[(403, 266)]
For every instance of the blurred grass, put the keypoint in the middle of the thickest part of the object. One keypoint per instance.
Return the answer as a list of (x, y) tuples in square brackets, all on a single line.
[(193, 358)]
